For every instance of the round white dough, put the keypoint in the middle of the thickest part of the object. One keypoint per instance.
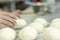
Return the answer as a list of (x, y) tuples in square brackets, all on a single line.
[(24, 39), (28, 33), (37, 26), (41, 21), (55, 23), (20, 23), (7, 34), (51, 33)]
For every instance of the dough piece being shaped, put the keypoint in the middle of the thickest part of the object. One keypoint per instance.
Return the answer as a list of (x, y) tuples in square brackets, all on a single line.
[(20, 23)]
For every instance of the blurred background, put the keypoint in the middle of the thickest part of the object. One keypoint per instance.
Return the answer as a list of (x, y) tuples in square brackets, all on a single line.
[(11, 5)]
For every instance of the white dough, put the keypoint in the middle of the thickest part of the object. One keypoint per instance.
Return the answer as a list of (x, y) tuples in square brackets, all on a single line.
[(37, 26), (41, 21), (28, 33), (24, 39), (20, 23), (51, 33), (55, 23), (7, 34)]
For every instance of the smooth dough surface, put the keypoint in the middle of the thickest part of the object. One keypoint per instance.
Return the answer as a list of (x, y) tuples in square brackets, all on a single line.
[(51, 33), (55, 23), (41, 21), (28, 33), (7, 34), (37, 26)]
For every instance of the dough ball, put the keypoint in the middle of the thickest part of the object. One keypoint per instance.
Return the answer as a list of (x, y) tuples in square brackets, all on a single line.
[(55, 23), (41, 21), (28, 33), (37, 26), (24, 39), (20, 23), (7, 34), (51, 33)]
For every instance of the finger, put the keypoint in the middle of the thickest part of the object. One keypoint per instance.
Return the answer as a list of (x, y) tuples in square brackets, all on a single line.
[(7, 23), (17, 13), (9, 14), (2, 26), (11, 20)]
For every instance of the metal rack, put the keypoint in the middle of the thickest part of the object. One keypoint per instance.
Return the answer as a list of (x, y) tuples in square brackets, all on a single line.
[(12, 4)]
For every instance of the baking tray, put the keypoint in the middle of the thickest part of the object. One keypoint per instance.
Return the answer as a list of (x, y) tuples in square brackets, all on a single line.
[(31, 17)]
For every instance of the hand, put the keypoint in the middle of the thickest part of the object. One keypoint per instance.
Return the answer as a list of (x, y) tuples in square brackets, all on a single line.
[(7, 19), (17, 13)]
